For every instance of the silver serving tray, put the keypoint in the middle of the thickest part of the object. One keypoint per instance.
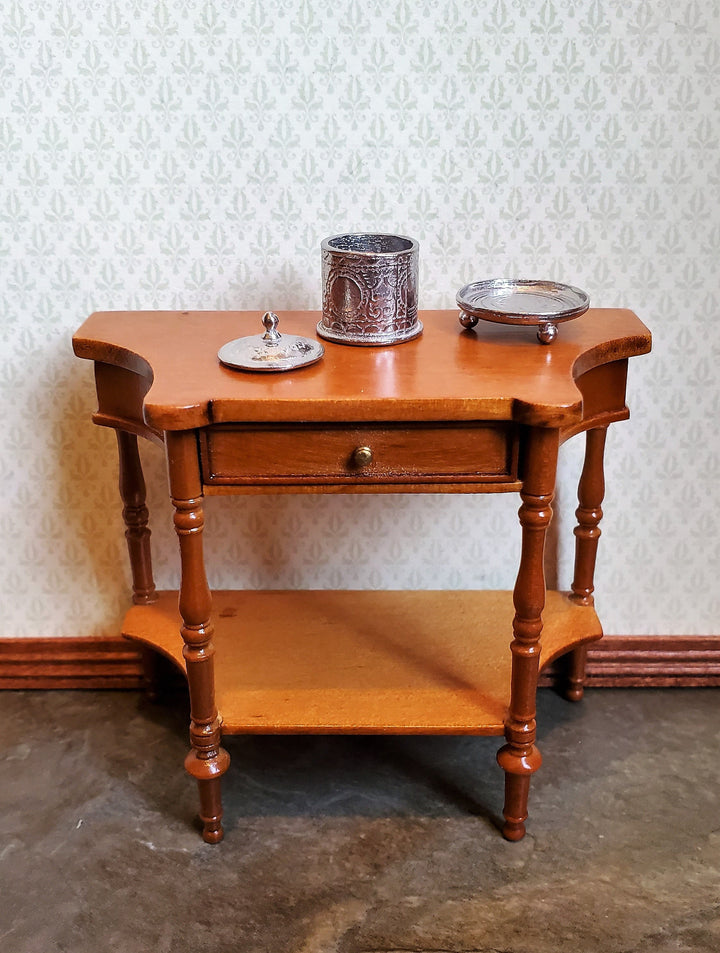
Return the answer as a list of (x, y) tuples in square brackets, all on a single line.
[(521, 301)]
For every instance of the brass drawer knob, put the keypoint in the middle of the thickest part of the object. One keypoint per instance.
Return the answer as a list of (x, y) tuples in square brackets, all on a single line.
[(362, 457)]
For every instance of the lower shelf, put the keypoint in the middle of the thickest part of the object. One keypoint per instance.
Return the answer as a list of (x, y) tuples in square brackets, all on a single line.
[(361, 662)]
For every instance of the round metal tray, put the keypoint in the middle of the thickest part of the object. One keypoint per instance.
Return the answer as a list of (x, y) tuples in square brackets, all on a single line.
[(521, 301)]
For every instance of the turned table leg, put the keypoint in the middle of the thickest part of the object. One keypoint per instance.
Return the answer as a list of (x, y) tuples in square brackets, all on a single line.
[(137, 534), (591, 491), (135, 515), (520, 758), (207, 760)]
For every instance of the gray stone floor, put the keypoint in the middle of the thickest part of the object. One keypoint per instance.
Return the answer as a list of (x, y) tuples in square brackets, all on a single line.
[(360, 844)]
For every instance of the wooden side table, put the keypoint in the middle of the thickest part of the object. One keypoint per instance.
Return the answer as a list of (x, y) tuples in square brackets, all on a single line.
[(480, 411)]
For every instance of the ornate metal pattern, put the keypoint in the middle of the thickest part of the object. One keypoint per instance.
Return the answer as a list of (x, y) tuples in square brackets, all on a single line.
[(370, 289)]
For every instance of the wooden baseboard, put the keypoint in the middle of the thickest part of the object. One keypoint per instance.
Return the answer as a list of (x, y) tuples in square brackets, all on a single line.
[(70, 663), (614, 662), (658, 661)]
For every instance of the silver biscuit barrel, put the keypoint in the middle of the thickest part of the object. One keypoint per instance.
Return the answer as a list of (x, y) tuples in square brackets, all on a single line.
[(370, 289)]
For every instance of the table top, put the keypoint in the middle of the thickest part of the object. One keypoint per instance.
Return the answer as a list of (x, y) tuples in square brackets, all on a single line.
[(492, 372)]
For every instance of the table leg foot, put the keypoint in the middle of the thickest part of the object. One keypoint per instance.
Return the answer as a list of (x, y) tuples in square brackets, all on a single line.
[(212, 833), (575, 678), (211, 811), (518, 766), (513, 829), (209, 772)]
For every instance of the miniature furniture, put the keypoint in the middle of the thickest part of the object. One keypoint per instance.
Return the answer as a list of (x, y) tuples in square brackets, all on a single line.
[(475, 411)]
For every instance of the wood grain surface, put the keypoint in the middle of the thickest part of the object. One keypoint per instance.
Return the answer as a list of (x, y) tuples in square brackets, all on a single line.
[(493, 372)]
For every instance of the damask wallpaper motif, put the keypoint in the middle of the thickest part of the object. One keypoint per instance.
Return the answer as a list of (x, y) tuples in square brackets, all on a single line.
[(193, 154)]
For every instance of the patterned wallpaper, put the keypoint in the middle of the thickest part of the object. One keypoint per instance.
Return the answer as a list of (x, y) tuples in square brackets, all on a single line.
[(193, 154)]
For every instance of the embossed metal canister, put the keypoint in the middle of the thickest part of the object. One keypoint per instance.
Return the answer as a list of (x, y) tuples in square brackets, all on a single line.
[(370, 289)]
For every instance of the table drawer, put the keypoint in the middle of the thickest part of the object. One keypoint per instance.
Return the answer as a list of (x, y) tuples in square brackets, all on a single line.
[(375, 453)]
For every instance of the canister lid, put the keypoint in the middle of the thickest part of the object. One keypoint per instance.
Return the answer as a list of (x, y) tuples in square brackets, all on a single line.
[(270, 351)]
